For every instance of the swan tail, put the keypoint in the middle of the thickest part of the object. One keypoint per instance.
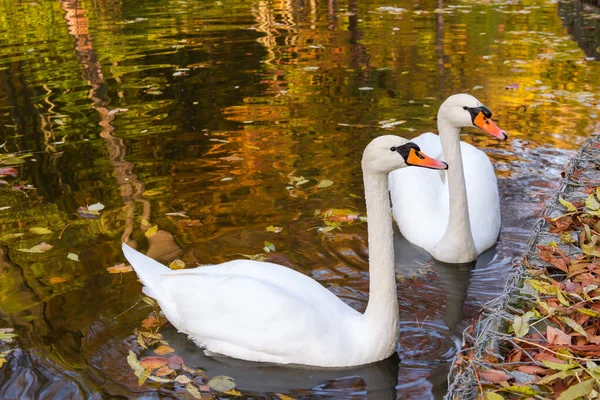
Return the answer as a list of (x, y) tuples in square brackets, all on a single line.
[(147, 270)]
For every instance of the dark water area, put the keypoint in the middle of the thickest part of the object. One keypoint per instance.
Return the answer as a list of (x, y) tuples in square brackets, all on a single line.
[(205, 127)]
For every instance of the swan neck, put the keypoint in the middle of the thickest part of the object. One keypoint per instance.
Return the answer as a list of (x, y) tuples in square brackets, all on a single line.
[(457, 243), (381, 315)]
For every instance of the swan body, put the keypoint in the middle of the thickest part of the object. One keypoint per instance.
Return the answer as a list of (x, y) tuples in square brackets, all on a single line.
[(259, 311), (454, 214)]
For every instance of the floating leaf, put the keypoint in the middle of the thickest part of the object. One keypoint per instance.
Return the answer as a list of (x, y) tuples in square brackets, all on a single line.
[(10, 236), (151, 231), (177, 264), (193, 391), (284, 397), (577, 391), (324, 183), (6, 335), (73, 256), (165, 370), (153, 362), (275, 229), (568, 205), (57, 279), (269, 247), (221, 383), (150, 322), (40, 248), (162, 350), (8, 171), (120, 269), (96, 207), (182, 379)]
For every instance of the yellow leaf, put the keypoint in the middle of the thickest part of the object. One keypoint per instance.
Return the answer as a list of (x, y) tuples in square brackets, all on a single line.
[(162, 350), (592, 203), (324, 183), (151, 231), (38, 230), (275, 229), (193, 391), (57, 279), (568, 205), (493, 396), (177, 264), (577, 391), (233, 392)]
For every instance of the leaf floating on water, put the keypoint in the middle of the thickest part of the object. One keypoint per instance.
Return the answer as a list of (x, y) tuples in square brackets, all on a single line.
[(38, 230), (40, 248), (284, 397), (96, 207), (57, 279), (255, 257), (269, 247), (162, 371), (6, 335), (365, 88), (84, 212), (153, 362), (233, 392), (151, 231), (120, 269), (193, 391), (275, 229), (324, 183), (73, 256), (221, 383), (8, 171), (177, 214), (162, 350), (10, 236), (177, 264), (182, 379)]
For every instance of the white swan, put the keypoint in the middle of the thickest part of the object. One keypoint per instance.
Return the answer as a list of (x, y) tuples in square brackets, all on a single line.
[(454, 215), (265, 312)]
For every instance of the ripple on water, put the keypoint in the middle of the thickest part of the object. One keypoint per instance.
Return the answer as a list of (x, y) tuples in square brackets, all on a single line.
[(426, 343)]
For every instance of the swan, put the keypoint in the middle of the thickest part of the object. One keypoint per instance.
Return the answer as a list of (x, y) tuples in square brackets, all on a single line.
[(264, 312), (453, 215)]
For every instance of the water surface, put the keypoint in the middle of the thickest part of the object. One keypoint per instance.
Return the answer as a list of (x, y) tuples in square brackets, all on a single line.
[(232, 112)]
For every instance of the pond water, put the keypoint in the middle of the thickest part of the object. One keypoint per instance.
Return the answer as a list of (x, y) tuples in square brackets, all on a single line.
[(204, 129)]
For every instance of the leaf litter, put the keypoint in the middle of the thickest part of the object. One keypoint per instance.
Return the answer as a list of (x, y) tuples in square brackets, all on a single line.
[(550, 347)]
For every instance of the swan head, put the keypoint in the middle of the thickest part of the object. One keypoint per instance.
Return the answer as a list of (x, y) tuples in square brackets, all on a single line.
[(463, 110), (387, 153)]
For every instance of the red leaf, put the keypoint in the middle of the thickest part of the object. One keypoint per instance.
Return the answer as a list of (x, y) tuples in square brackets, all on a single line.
[(8, 171), (532, 369), (154, 362), (175, 362)]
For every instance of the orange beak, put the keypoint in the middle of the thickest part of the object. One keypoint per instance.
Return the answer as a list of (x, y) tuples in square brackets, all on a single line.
[(419, 159), (487, 125)]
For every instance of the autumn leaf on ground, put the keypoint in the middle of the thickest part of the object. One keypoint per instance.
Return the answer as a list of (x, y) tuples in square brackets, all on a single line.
[(120, 269), (494, 375), (556, 336)]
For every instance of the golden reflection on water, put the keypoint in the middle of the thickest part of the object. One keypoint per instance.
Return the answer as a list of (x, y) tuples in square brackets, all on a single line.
[(233, 113)]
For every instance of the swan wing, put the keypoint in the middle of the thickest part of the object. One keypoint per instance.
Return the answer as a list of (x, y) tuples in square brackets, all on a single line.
[(255, 311)]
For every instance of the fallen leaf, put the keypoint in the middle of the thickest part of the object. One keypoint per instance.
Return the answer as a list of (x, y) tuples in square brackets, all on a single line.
[(96, 207), (177, 264), (57, 279), (521, 324), (162, 350), (73, 256), (269, 247), (568, 205), (119, 269), (38, 230), (175, 362), (40, 248), (151, 231), (11, 236), (8, 171), (182, 379), (577, 391), (493, 396), (494, 375), (324, 183), (275, 229), (193, 391), (556, 336), (164, 370), (150, 322), (221, 383), (153, 362)]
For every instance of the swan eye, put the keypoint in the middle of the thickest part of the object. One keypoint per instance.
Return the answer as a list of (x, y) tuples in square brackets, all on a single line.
[(393, 148), (465, 108)]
